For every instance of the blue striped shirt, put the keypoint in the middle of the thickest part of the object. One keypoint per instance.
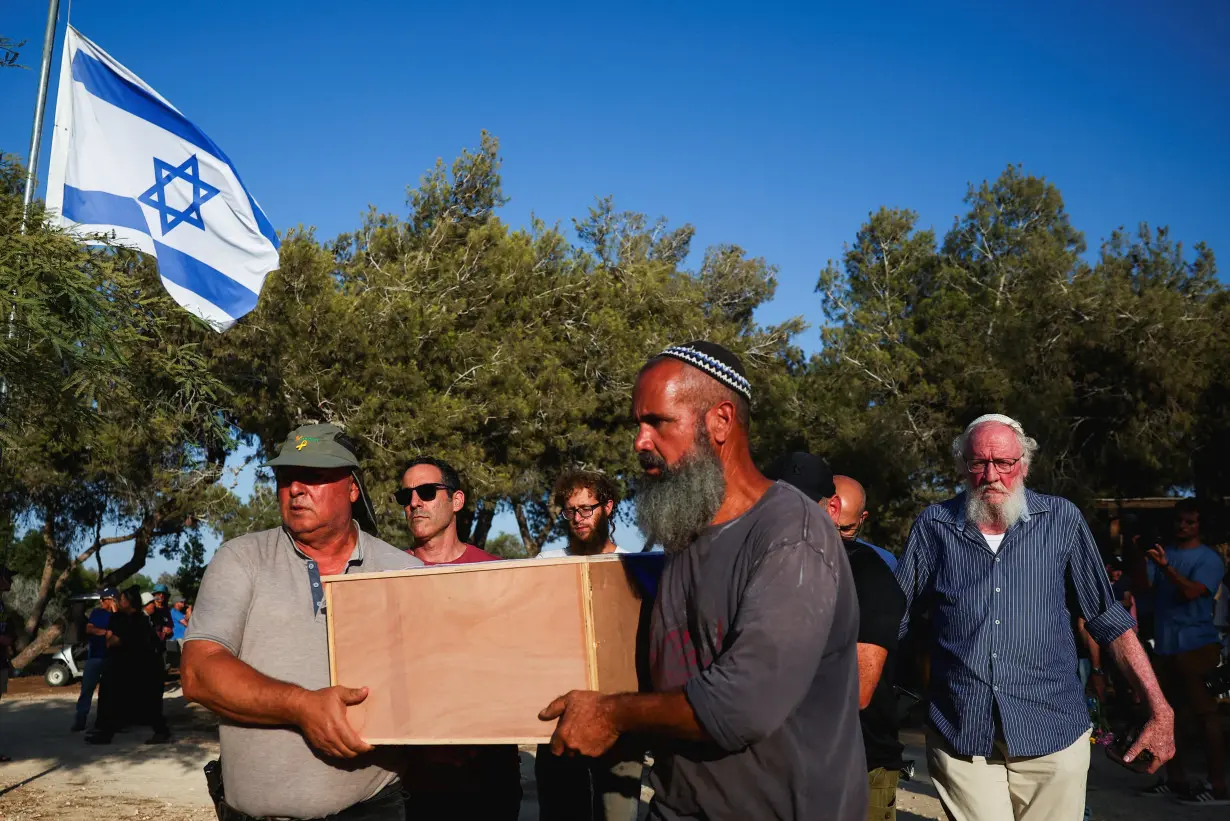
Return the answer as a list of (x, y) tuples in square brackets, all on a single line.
[(1001, 625)]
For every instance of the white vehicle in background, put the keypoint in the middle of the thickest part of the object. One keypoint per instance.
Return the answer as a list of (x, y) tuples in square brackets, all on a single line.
[(69, 661)]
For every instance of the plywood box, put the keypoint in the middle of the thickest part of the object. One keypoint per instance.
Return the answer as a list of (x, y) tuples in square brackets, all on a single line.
[(468, 654)]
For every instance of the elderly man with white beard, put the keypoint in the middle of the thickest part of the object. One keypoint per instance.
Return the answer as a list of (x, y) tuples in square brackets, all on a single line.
[(752, 658), (998, 568)]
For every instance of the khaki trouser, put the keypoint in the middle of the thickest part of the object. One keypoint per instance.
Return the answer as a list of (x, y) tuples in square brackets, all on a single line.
[(882, 794), (1028, 788)]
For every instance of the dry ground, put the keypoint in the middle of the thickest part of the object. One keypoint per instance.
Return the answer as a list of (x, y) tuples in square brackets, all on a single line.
[(56, 776)]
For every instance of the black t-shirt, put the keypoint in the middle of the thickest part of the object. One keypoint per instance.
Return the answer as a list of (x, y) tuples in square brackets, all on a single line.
[(757, 623), (881, 605)]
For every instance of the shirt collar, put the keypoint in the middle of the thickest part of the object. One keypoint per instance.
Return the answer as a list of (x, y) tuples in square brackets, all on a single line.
[(356, 556)]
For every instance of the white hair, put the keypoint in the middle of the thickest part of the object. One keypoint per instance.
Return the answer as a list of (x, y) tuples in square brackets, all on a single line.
[(1028, 445)]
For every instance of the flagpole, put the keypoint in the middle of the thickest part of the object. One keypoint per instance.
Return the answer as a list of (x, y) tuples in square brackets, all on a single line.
[(36, 136)]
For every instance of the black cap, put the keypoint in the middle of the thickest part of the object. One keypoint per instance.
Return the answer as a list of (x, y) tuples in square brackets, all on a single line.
[(808, 473)]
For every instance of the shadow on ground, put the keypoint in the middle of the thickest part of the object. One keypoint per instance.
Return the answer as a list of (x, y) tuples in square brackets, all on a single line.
[(35, 732)]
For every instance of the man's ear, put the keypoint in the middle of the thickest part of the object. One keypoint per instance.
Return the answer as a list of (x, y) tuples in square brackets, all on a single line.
[(832, 506), (354, 490), (720, 419), (459, 500), (609, 506)]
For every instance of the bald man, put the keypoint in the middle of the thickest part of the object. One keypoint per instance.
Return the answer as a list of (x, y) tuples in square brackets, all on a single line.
[(852, 515)]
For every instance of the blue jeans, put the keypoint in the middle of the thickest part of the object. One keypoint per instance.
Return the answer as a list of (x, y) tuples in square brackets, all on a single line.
[(89, 681)]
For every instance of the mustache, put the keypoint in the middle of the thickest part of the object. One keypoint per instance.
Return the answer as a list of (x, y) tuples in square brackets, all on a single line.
[(651, 460), (996, 485)]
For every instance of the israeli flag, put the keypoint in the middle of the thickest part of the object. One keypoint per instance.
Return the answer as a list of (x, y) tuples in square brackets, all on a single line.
[(124, 161)]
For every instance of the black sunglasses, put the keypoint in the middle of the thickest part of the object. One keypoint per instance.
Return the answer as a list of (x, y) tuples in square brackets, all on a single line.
[(426, 492)]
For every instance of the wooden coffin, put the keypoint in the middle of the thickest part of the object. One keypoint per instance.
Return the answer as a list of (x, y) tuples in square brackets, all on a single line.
[(469, 654)]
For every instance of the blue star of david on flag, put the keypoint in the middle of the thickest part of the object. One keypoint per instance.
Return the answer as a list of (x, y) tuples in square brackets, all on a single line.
[(156, 195)]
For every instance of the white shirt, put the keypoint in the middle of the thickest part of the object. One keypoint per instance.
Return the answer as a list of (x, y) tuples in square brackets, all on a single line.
[(994, 540), (562, 552)]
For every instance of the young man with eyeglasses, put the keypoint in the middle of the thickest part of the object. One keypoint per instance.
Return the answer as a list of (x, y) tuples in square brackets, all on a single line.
[(579, 788), (586, 500), (993, 566), (466, 782), (853, 515)]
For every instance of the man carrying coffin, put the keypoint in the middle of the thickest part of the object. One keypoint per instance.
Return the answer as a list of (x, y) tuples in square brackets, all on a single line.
[(257, 654), (752, 655)]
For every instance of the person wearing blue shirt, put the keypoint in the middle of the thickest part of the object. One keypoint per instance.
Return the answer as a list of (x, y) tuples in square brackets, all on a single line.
[(96, 629), (854, 515), (992, 567), (179, 620), (1182, 579)]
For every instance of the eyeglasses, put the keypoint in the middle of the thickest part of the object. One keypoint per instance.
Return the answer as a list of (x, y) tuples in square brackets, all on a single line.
[(427, 492), (978, 466), (578, 512), (851, 530)]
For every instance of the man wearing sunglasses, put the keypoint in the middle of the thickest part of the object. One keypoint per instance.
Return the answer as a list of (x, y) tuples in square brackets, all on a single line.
[(431, 497), (257, 651), (459, 781)]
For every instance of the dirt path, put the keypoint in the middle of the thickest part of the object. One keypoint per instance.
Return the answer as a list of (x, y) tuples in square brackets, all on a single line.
[(55, 775)]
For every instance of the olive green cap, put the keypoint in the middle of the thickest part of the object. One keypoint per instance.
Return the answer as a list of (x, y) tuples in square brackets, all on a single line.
[(327, 446), (316, 446)]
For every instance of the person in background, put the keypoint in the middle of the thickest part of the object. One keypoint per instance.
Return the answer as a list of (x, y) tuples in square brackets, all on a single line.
[(97, 628), (1009, 724), (179, 620), (1182, 578), (431, 497), (8, 634), (470, 782), (854, 515), (132, 676), (881, 606), (579, 788)]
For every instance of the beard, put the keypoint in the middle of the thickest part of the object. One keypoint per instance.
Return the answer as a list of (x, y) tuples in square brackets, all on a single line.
[(982, 511), (598, 536), (675, 506)]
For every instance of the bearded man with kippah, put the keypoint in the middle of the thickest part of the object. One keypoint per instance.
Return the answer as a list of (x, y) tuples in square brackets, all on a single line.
[(754, 709), (1001, 571)]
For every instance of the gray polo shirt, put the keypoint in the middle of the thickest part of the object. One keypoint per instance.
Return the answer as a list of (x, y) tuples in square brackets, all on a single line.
[(262, 599)]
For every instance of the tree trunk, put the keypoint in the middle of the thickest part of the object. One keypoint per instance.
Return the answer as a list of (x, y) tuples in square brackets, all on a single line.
[(482, 525), (140, 550), (35, 648), (35, 616), (531, 546)]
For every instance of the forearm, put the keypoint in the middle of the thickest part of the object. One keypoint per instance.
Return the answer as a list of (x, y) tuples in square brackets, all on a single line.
[(667, 714), (219, 681), (1131, 659), (1187, 588)]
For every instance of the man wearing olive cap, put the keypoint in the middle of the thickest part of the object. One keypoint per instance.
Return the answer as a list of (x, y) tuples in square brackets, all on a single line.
[(256, 651)]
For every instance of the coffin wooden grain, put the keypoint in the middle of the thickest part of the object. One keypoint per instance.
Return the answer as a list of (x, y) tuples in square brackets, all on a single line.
[(469, 654)]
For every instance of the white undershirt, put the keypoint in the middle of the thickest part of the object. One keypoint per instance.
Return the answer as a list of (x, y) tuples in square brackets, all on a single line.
[(994, 540)]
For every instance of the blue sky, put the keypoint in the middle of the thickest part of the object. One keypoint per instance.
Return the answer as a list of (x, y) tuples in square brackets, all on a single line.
[(772, 125)]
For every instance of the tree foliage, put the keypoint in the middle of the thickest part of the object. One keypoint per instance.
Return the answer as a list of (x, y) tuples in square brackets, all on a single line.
[(111, 423)]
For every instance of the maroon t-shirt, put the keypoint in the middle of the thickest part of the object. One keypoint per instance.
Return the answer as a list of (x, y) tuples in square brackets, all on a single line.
[(468, 556)]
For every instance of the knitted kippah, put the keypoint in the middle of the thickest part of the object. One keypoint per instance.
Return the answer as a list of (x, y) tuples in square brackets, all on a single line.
[(716, 361)]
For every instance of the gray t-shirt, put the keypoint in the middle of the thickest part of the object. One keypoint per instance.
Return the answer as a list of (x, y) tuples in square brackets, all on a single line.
[(757, 621), (261, 598)]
